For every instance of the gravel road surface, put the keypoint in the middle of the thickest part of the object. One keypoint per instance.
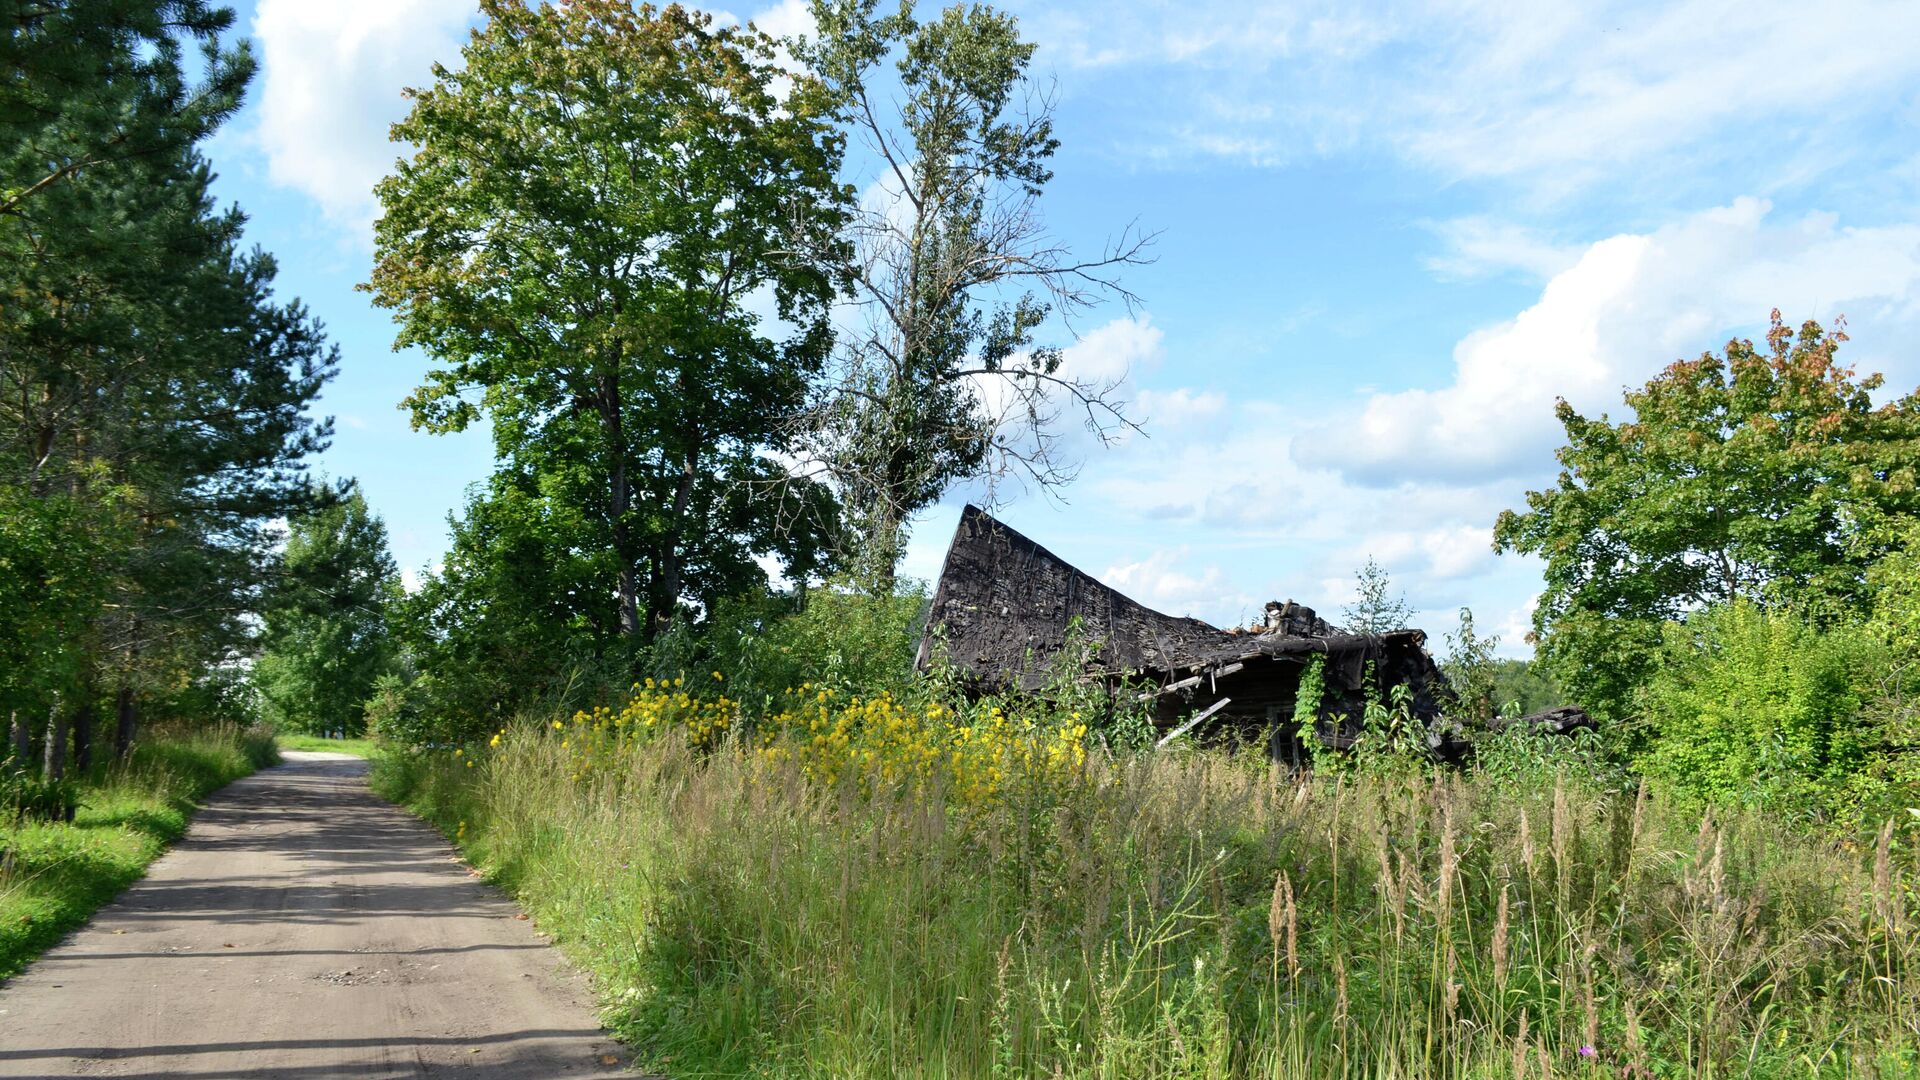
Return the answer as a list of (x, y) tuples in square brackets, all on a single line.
[(304, 928)]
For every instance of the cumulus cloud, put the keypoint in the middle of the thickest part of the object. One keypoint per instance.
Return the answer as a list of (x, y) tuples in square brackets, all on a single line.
[(1625, 308), (331, 77), (1163, 581), (1443, 553), (331, 81), (789, 18)]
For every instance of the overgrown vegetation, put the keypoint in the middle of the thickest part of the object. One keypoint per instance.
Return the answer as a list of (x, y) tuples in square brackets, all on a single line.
[(357, 747), (663, 684), (54, 873), (828, 865), (1184, 915)]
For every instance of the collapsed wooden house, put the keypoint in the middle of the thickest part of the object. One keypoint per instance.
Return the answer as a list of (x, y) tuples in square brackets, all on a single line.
[(1004, 606)]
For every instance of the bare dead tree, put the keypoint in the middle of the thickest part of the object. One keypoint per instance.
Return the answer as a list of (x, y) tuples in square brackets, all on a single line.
[(949, 272)]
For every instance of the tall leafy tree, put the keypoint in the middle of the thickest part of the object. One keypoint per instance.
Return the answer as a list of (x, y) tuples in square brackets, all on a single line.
[(325, 639), (603, 204), (147, 374), (952, 272), (1766, 473)]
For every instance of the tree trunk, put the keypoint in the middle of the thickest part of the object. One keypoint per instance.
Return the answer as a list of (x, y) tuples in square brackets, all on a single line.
[(879, 551), (126, 719), (673, 556), (618, 502), (83, 720), (54, 765), (20, 737)]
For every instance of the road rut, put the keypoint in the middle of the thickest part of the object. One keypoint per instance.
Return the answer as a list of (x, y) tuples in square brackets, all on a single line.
[(304, 928)]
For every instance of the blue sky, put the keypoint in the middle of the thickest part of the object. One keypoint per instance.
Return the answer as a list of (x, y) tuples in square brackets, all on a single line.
[(1390, 236)]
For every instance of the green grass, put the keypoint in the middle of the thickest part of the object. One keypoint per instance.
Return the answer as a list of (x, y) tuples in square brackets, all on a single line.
[(741, 920), (357, 747), (54, 875)]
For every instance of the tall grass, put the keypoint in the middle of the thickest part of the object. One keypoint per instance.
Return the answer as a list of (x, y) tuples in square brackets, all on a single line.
[(54, 874), (1199, 915)]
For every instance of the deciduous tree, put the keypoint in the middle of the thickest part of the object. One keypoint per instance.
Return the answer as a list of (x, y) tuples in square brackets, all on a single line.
[(1767, 473), (595, 243), (325, 639)]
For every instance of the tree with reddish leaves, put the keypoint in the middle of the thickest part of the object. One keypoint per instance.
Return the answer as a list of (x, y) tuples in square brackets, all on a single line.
[(1766, 473)]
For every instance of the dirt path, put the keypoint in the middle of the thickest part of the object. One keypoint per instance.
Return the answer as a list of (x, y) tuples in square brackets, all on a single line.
[(304, 928)]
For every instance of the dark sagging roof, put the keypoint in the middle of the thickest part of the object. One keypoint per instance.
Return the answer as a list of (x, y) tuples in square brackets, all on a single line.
[(1004, 603)]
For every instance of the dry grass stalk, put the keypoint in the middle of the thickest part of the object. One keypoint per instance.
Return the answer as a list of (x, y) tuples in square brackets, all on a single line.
[(1562, 840), (1502, 927), (1452, 1001), (1283, 923), (1526, 842), (1636, 1050), (1520, 1050), (1886, 896)]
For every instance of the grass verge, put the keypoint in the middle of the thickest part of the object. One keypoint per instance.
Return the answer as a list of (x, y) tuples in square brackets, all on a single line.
[(1187, 916), (357, 747), (53, 875)]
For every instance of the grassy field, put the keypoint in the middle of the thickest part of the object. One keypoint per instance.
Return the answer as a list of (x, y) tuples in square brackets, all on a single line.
[(54, 875), (356, 747), (1188, 915)]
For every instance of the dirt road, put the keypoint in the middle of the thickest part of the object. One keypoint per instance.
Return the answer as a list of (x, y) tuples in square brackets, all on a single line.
[(304, 928)]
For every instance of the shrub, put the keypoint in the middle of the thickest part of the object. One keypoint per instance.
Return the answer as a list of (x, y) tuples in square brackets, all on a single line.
[(1758, 707), (832, 636), (25, 795)]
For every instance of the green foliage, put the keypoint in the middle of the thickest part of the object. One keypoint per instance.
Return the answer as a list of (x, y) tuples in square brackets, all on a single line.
[(1529, 759), (54, 874), (1308, 699), (357, 747), (1757, 707), (25, 796), (1377, 609), (596, 193), (1190, 915), (1768, 474), (100, 86), (1391, 744), (1472, 675), (154, 395), (1522, 687), (834, 636), (326, 635), (1893, 690), (53, 552)]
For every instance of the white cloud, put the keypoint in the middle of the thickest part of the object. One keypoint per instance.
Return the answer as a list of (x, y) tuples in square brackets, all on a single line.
[(1179, 410), (1164, 582), (1557, 96), (1627, 307), (331, 82), (1443, 553), (331, 77), (1111, 352), (788, 18), (1103, 361), (1480, 247), (414, 579)]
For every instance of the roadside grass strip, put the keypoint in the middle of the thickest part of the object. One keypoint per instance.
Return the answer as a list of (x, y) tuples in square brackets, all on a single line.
[(54, 875)]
